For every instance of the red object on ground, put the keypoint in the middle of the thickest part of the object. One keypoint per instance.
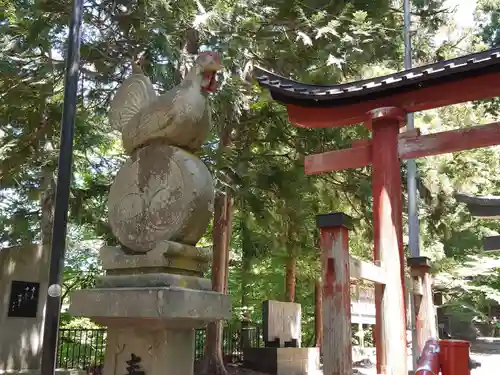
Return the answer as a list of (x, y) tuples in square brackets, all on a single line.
[(428, 364), (454, 357)]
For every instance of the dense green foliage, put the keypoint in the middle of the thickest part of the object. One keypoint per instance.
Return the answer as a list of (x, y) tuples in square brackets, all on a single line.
[(275, 203)]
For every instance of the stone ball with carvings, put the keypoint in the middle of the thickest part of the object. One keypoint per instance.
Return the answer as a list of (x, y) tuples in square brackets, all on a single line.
[(161, 193)]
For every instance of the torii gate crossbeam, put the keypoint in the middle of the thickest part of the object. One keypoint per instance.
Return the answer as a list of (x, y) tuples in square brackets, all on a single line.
[(381, 104)]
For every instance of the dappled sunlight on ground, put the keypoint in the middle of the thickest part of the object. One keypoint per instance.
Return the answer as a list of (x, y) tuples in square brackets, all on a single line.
[(488, 354)]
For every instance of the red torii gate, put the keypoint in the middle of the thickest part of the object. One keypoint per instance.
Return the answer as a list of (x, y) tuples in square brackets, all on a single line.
[(381, 104)]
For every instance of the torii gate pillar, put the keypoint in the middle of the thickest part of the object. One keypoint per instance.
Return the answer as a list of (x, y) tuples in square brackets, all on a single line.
[(386, 99), (390, 331)]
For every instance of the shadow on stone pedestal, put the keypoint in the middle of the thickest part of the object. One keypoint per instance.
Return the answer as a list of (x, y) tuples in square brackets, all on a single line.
[(151, 304), (282, 361)]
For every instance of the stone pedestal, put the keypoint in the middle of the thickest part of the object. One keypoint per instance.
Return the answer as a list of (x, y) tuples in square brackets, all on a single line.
[(153, 295), (158, 351), (283, 361), (151, 304)]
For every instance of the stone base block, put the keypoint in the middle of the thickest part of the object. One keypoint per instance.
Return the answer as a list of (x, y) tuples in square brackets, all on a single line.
[(360, 354), (166, 256), (148, 351), (283, 361), (162, 307), (153, 280)]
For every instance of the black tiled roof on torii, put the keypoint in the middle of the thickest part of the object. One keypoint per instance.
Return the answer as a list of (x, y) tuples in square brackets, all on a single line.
[(492, 200), (288, 91), (481, 207)]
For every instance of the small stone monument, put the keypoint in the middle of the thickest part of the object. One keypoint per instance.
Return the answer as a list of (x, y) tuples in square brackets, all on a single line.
[(23, 285), (282, 354), (154, 295), (281, 324)]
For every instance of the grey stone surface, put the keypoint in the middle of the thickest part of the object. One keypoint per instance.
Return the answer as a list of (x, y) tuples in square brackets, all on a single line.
[(153, 280), (160, 204), (181, 115), (298, 361), (161, 193), (282, 320), (157, 122), (168, 307), (283, 361), (161, 256), (21, 338), (162, 351)]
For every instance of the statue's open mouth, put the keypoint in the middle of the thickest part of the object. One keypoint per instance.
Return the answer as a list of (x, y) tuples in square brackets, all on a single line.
[(209, 82)]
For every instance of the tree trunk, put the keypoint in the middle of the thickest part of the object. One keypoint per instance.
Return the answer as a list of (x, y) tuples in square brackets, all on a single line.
[(228, 207), (213, 363), (47, 180), (318, 313), (290, 275), (47, 191), (246, 263)]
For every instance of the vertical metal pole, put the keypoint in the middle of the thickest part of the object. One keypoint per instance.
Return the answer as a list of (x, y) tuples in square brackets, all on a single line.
[(414, 242), (413, 225), (51, 326)]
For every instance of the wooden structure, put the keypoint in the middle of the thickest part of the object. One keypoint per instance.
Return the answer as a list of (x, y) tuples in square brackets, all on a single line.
[(338, 269), (484, 208), (381, 104), (425, 312)]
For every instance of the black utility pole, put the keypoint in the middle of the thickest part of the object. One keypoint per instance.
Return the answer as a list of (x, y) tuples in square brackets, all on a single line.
[(59, 229)]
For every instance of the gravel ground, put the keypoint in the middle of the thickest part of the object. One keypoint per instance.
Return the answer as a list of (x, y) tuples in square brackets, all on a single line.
[(485, 351), (489, 365)]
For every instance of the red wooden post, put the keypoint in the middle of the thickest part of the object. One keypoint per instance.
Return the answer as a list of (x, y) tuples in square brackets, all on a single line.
[(318, 313), (336, 349), (424, 304), (390, 307)]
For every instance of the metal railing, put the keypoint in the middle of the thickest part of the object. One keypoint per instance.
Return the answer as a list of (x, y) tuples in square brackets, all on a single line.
[(234, 339), (80, 348), (83, 349)]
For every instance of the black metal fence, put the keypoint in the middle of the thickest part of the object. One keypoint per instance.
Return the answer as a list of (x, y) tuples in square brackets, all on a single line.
[(234, 339), (80, 348), (84, 348)]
